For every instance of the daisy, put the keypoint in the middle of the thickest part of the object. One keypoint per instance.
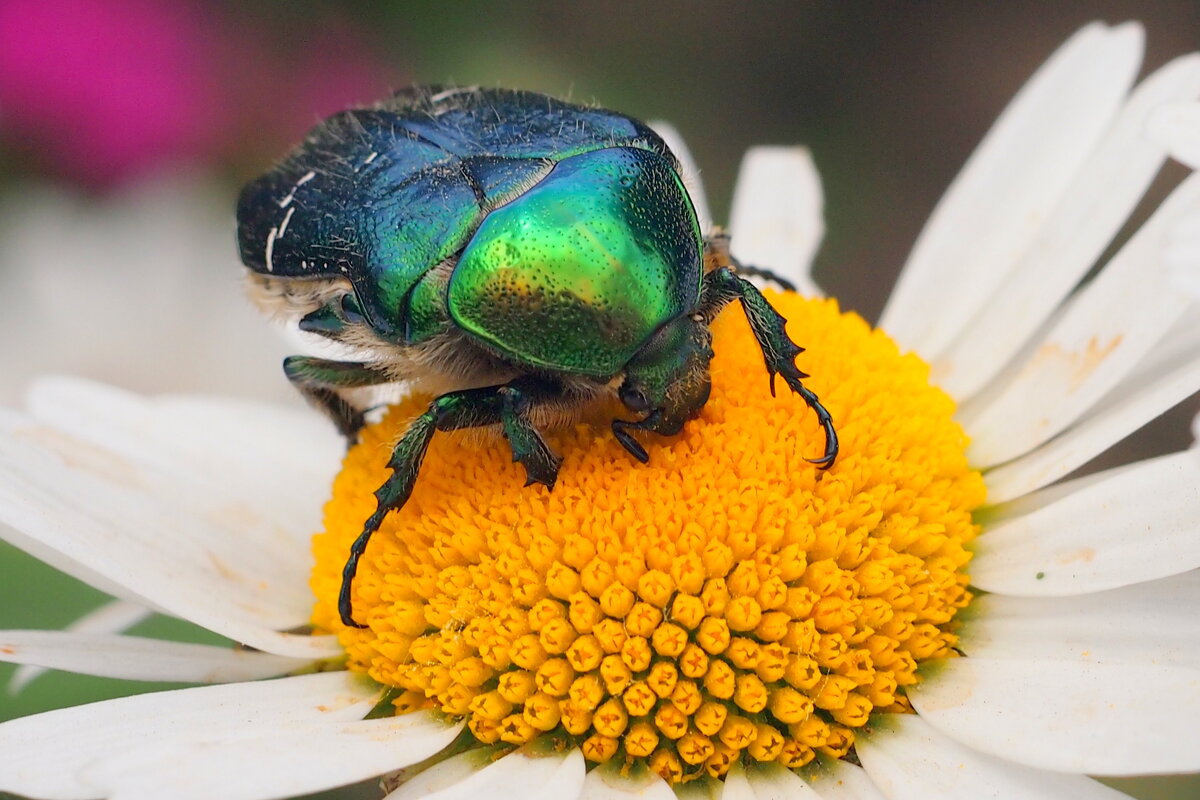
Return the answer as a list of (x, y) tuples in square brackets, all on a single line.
[(938, 615), (138, 287)]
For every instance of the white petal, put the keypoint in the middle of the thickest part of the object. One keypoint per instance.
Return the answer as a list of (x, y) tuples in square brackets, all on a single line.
[(700, 789), (910, 760), (1099, 533), (1181, 254), (1153, 622), (606, 782), (443, 774), (736, 786), (62, 561), (139, 659), (1109, 184), (270, 763), (281, 459), (1000, 200), (92, 511), (1099, 719), (41, 755), (1177, 128), (517, 776), (112, 617), (1169, 374), (841, 780), (138, 284), (1105, 330), (765, 782), (690, 172), (778, 216)]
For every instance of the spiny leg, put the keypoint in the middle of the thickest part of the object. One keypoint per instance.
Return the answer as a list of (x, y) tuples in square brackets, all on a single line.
[(718, 254), (762, 272), (721, 287), (318, 380), (507, 404), (454, 410), (528, 446)]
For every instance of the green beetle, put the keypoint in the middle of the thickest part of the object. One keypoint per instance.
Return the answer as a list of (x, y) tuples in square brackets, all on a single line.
[(518, 256)]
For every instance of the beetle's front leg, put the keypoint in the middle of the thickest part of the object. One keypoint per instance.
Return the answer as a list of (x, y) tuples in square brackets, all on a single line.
[(508, 405), (318, 380), (720, 288), (718, 253), (540, 462), (764, 273)]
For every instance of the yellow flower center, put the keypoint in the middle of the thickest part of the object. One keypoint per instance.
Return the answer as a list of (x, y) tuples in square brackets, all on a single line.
[(728, 600)]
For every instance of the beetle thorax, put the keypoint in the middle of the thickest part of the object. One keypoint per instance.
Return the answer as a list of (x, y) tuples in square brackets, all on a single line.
[(580, 271)]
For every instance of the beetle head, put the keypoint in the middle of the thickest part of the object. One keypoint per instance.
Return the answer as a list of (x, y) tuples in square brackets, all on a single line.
[(667, 380)]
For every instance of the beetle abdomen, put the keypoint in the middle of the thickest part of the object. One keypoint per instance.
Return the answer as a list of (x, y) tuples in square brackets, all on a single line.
[(577, 272)]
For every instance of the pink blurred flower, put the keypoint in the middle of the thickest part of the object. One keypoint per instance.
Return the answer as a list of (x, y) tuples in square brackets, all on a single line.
[(106, 90), (109, 88)]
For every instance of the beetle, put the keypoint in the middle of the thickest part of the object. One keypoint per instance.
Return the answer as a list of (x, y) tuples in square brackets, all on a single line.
[(518, 256)]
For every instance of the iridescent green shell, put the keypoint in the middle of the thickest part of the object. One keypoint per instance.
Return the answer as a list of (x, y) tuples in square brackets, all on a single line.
[(574, 237), (580, 270)]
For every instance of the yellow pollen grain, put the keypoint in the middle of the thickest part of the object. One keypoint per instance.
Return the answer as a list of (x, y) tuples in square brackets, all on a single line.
[(725, 601)]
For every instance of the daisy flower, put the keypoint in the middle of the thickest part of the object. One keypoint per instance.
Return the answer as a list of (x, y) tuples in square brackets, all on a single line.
[(944, 613), (137, 287)]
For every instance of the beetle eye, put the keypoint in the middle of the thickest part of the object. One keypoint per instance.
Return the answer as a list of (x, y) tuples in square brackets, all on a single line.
[(634, 399), (350, 311)]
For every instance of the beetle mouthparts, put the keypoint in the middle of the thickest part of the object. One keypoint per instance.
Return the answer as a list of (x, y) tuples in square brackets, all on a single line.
[(620, 429)]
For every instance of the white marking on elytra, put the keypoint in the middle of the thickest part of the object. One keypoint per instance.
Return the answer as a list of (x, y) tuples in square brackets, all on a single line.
[(287, 201), (271, 248), (371, 158), (287, 218)]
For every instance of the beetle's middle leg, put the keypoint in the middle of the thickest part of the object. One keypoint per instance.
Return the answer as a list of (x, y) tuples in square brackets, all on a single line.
[(720, 288), (507, 405), (318, 380)]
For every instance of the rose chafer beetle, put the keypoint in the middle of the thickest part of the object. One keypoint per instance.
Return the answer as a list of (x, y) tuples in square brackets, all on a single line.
[(518, 256)]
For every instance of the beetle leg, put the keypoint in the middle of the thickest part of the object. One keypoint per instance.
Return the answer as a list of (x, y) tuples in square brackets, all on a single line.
[(720, 288), (761, 272), (717, 253), (465, 409), (318, 380), (507, 404), (528, 446)]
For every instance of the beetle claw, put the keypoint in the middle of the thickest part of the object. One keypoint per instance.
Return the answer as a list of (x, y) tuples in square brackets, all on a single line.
[(528, 446), (538, 469), (831, 439), (779, 351), (824, 462)]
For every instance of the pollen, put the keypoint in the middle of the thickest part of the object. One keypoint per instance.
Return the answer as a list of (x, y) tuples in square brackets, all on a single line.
[(726, 602)]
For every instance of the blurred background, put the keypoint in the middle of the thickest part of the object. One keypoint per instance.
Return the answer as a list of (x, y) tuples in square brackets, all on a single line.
[(127, 126)]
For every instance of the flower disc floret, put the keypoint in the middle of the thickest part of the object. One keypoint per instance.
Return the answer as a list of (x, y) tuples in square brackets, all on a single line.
[(725, 601)]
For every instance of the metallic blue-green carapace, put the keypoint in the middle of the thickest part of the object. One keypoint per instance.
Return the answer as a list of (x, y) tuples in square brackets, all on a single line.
[(603, 251), (382, 196), (519, 256)]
